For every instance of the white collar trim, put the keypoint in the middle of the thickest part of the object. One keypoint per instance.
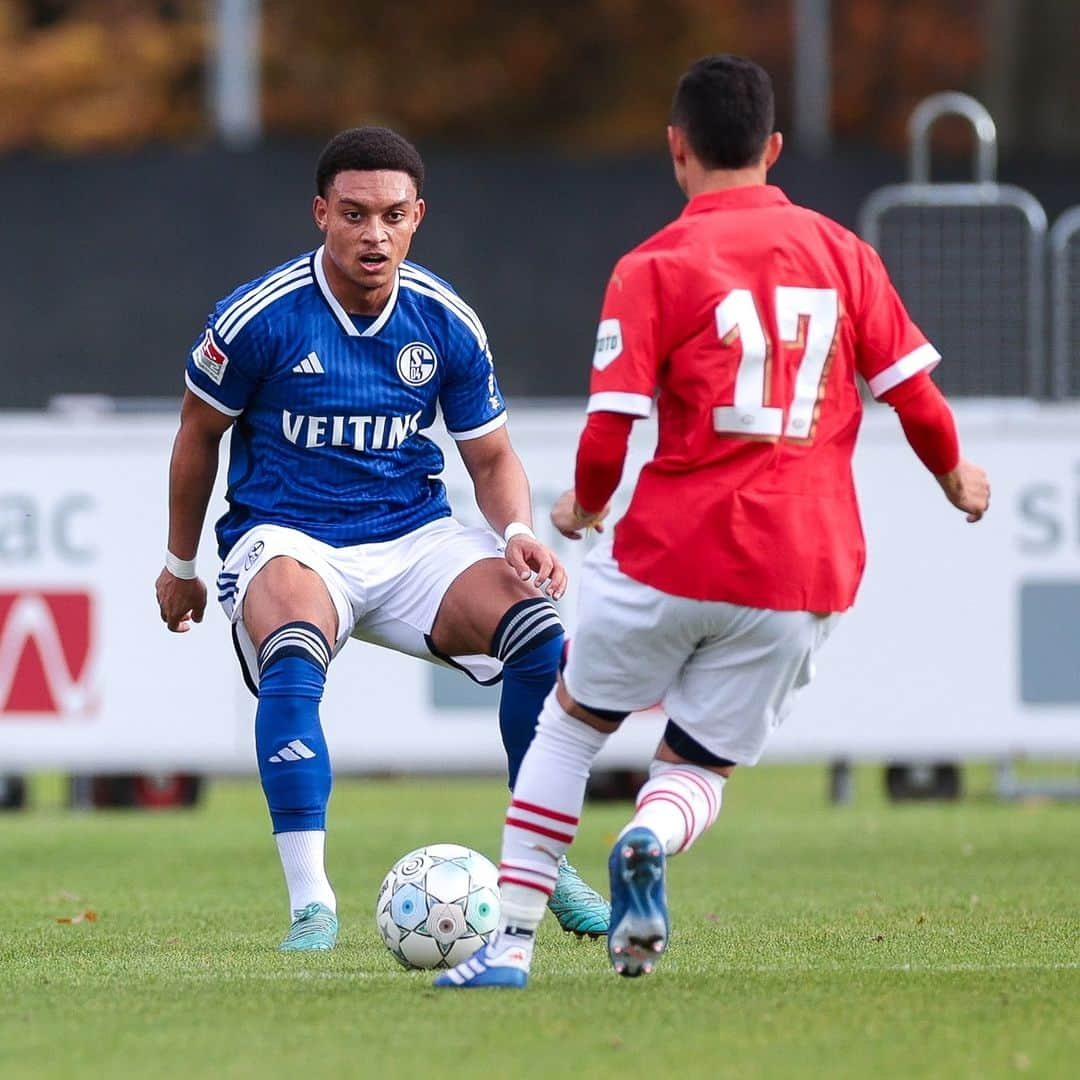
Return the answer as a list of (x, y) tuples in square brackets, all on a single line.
[(341, 314)]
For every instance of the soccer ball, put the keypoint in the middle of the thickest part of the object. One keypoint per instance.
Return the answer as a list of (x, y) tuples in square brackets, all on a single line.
[(438, 905)]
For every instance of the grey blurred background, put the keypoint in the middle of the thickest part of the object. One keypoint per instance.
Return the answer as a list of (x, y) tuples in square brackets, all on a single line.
[(155, 154)]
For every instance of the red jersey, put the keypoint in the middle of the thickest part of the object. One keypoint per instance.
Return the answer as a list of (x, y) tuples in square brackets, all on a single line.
[(751, 318)]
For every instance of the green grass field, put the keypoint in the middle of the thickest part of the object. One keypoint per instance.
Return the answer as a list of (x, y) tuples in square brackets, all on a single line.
[(809, 940)]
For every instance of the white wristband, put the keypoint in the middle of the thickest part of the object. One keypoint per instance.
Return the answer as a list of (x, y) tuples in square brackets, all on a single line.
[(180, 568), (517, 528)]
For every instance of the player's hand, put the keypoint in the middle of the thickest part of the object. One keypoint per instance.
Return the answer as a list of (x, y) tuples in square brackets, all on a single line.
[(967, 488), (571, 520), (181, 601), (529, 557)]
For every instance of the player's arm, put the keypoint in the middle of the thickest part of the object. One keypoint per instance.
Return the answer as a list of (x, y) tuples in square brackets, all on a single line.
[(192, 470), (502, 493), (896, 359), (598, 469), (930, 429), (629, 346), (222, 374)]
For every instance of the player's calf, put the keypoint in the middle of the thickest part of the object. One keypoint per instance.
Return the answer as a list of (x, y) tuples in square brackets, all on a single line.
[(542, 820), (294, 764), (678, 803), (529, 642)]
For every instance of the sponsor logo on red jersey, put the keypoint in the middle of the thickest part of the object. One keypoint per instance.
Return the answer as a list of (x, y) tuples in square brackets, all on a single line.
[(46, 643)]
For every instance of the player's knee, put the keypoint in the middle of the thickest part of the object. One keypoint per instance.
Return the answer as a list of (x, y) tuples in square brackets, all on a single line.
[(293, 660), (281, 590), (689, 749), (605, 720), (593, 712), (529, 638), (559, 722)]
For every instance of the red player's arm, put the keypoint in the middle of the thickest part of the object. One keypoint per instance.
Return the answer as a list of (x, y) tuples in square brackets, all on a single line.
[(927, 421), (600, 459), (924, 415), (929, 426)]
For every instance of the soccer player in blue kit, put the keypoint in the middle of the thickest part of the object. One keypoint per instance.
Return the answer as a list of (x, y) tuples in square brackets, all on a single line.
[(329, 369)]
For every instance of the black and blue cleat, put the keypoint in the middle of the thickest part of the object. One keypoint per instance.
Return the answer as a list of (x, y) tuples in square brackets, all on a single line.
[(640, 928)]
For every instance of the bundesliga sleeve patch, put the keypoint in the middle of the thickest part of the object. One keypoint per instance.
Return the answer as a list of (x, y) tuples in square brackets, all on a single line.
[(209, 359), (608, 344)]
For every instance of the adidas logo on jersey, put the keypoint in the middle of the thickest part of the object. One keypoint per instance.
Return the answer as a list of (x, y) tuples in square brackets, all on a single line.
[(310, 365), (294, 751)]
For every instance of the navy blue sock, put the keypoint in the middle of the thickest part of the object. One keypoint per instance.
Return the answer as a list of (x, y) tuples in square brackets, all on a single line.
[(294, 764), (529, 641)]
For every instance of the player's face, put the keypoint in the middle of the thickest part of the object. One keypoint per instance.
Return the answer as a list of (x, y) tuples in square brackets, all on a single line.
[(369, 219)]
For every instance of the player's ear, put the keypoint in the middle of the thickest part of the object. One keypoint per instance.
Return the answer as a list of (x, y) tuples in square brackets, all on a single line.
[(676, 142), (419, 210), (320, 212), (773, 146), (678, 147)]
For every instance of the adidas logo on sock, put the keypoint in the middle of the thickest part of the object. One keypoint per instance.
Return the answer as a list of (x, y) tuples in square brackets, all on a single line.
[(293, 752), (310, 365)]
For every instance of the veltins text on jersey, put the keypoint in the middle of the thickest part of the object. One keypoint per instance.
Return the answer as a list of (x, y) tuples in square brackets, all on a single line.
[(362, 433)]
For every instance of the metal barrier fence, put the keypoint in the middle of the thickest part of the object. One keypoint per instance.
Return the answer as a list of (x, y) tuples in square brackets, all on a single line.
[(1065, 304), (968, 259)]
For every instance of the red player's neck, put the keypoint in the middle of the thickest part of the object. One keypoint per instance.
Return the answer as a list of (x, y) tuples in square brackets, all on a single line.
[(701, 182)]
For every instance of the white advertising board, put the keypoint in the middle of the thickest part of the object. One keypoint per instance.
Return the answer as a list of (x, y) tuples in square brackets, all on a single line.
[(965, 642)]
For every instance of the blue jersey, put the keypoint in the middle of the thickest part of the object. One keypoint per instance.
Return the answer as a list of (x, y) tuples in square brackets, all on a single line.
[(330, 407)]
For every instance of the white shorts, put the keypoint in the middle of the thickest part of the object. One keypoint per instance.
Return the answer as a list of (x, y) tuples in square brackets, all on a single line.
[(725, 674), (387, 593)]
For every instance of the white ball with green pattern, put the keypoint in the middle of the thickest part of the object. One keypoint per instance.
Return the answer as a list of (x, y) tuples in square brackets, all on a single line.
[(438, 905)]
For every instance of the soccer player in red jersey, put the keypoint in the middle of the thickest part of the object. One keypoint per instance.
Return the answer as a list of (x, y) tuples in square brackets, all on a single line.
[(751, 318)]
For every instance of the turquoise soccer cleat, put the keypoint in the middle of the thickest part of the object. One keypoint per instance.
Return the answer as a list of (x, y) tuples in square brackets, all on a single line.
[(314, 929), (493, 965), (579, 908), (639, 917)]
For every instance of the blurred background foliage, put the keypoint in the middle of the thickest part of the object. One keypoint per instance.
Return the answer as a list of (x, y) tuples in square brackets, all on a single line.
[(585, 75), (99, 74), (589, 73)]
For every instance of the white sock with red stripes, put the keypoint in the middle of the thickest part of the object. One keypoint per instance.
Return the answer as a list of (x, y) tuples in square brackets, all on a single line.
[(678, 802), (543, 817)]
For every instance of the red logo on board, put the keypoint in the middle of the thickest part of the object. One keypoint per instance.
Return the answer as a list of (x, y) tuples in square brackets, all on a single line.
[(45, 647)]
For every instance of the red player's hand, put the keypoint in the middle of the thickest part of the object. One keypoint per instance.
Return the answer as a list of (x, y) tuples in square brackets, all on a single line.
[(181, 601), (571, 520), (967, 488)]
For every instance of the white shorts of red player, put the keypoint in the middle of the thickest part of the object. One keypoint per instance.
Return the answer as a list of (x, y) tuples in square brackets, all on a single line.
[(386, 593), (725, 674)]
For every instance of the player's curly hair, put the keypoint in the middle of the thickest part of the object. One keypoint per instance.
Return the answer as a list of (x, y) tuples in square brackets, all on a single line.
[(366, 149), (725, 106)]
